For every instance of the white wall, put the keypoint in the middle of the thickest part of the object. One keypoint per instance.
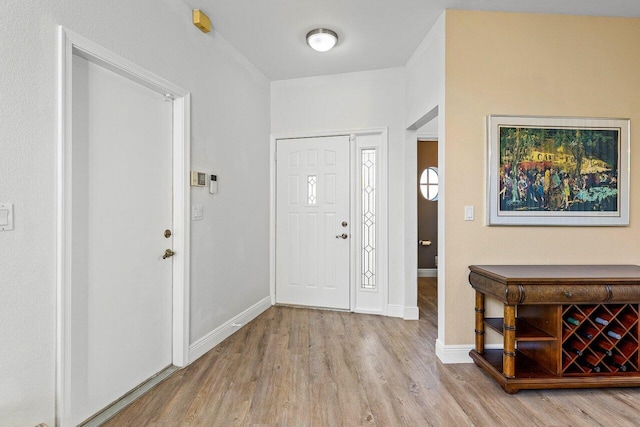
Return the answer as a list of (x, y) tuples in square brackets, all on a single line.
[(425, 74), (347, 102), (424, 100), (230, 136)]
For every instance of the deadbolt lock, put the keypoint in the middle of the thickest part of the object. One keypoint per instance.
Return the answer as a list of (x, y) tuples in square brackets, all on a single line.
[(344, 223), (168, 254), (167, 233)]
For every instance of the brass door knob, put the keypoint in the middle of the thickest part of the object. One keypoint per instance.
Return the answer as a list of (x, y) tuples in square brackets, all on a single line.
[(168, 254)]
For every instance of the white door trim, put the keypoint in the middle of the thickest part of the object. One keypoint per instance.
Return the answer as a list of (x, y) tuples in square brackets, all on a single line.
[(427, 136), (70, 43), (383, 255)]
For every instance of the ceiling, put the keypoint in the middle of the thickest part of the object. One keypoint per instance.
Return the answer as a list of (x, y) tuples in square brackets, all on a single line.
[(373, 34)]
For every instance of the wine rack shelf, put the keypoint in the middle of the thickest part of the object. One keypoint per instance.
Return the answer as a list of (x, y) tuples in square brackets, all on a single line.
[(563, 326), (600, 339)]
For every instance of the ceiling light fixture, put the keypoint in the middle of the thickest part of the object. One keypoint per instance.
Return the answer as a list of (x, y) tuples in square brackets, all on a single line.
[(322, 39)]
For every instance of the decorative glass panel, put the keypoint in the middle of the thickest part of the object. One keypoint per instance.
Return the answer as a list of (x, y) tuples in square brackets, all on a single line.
[(312, 198), (429, 184), (368, 219)]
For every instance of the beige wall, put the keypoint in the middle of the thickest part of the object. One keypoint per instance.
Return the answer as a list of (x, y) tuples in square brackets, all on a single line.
[(524, 64)]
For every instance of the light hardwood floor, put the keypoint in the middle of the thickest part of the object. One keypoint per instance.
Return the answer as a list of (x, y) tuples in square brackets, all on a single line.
[(302, 367)]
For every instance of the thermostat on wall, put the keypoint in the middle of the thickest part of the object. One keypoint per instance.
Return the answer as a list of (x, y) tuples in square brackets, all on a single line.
[(198, 179)]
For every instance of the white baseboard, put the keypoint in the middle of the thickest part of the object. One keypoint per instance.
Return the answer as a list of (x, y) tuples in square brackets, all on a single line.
[(450, 354), (453, 353), (365, 311), (395, 310), (427, 272), (406, 313), (411, 313), (215, 337)]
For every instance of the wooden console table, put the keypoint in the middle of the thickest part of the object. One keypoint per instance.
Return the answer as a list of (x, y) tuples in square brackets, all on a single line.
[(564, 326)]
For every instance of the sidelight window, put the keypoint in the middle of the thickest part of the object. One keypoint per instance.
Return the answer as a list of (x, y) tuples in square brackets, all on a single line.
[(368, 249)]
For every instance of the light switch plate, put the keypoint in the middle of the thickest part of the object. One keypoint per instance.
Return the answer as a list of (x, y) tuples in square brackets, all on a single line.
[(6, 216), (197, 212), (468, 213)]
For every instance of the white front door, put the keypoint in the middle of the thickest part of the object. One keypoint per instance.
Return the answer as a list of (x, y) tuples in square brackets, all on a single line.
[(121, 309), (312, 222)]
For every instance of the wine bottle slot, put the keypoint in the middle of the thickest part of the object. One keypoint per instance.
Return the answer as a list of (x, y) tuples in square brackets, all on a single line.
[(594, 368), (605, 344), (628, 319), (601, 321), (573, 321), (585, 334), (620, 367), (602, 350), (590, 362), (614, 335), (575, 350), (627, 347), (577, 315)]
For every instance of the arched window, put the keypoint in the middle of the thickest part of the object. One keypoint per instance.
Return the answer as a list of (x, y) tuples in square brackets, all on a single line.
[(429, 184)]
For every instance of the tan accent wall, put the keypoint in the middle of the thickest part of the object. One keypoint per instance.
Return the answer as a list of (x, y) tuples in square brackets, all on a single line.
[(528, 64)]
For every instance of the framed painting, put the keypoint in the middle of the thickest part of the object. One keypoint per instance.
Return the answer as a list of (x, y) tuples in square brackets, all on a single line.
[(558, 171)]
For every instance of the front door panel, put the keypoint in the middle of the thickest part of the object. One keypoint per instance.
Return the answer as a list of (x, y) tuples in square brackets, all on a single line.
[(312, 243)]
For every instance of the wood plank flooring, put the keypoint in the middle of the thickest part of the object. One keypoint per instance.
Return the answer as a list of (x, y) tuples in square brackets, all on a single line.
[(302, 367)]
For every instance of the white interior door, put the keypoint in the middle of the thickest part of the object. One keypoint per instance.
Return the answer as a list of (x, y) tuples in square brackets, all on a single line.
[(312, 222), (121, 309)]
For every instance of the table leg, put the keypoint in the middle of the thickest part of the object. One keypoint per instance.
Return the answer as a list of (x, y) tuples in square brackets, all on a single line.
[(479, 322), (509, 356)]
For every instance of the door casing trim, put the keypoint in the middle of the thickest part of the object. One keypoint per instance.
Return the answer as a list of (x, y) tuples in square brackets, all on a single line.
[(69, 44), (383, 255)]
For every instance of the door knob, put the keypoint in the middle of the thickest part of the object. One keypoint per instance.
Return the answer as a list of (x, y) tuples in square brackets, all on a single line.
[(342, 236), (168, 254)]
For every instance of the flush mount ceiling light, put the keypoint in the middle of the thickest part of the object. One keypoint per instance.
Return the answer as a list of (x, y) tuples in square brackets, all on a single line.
[(322, 39)]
